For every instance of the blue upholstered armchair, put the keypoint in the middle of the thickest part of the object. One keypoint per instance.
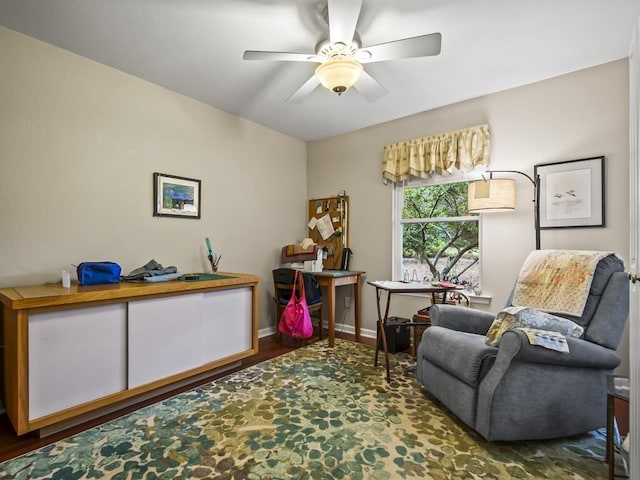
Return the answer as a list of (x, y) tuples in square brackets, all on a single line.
[(519, 391)]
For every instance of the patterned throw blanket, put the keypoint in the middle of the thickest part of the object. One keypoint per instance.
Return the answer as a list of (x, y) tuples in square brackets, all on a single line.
[(557, 280)]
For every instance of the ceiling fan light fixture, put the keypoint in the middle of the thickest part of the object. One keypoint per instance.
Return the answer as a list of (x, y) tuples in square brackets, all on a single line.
[(338, 75)]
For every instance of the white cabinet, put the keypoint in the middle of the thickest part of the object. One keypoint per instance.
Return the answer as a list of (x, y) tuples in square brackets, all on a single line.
[(76, 356), (175, 334), (227, 326), (165, 337)]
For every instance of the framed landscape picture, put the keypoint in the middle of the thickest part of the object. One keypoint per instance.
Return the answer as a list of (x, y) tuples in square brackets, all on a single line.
[(571, 193), (175, 196)]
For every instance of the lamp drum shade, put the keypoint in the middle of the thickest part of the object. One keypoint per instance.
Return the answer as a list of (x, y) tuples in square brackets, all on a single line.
[(493, 195)]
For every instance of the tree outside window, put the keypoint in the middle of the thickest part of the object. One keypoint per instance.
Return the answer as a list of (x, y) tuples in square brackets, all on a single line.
[(439, 236)]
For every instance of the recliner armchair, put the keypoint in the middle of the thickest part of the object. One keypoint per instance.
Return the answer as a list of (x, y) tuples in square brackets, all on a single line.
[(518, 391)]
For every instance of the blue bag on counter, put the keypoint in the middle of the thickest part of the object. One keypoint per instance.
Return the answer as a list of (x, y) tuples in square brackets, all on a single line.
[(95, 273)]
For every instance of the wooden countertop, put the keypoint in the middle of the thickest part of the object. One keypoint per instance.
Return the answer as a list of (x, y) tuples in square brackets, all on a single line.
[(48, 295)]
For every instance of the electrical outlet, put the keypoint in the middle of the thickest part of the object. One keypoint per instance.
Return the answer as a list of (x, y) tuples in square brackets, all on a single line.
[(347, 302)]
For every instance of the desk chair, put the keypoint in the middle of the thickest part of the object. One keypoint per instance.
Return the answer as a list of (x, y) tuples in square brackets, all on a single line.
[(282, 287)]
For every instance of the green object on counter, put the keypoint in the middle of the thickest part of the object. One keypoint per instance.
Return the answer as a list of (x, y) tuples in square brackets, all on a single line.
[(201, 277)]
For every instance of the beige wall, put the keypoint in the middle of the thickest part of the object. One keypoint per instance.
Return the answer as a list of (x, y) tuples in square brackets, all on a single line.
[(79, 143), (574, 116)]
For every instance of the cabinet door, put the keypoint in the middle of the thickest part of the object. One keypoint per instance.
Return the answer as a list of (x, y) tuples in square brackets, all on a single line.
[(75, 356), (228, 327), (165, 337)]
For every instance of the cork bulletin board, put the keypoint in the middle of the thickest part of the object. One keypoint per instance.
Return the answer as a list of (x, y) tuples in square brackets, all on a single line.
[(328, 222)]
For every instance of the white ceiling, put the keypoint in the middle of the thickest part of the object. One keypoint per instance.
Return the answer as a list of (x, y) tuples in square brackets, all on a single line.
[(195, 47)]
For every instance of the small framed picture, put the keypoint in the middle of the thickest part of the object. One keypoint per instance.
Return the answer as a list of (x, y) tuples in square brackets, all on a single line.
[(175, 196), (571, 193)]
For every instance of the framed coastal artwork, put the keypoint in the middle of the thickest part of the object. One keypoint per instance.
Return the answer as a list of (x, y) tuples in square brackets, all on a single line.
[(175, 196), (571, 193)]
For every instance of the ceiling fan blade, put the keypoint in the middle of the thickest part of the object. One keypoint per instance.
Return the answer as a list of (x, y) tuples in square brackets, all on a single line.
[(343, 17), (369, 87), (280, 56), (304, 91), (422, 46)]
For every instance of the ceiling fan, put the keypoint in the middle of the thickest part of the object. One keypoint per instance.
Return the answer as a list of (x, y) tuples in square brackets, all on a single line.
[(341, 55)]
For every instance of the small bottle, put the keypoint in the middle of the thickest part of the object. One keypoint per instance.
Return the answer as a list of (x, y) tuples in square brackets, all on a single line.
[(66, 279)]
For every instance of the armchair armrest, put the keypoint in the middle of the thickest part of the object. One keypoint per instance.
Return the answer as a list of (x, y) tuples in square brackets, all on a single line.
[(582, 353), (464, 319)]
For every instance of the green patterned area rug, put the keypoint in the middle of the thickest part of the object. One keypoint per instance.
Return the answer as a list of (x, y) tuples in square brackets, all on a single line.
[(314, 413)]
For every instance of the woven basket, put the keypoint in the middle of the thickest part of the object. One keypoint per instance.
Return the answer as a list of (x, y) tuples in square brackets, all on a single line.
[(417, 332)]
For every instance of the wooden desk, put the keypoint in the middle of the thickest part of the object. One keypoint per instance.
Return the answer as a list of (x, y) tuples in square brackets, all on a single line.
[(337, 278), (398, 287)]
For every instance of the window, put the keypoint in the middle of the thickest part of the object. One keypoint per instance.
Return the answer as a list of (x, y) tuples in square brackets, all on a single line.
[(435, 237)]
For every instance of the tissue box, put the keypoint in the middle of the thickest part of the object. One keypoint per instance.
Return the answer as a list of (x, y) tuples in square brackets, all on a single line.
[(314, 265)]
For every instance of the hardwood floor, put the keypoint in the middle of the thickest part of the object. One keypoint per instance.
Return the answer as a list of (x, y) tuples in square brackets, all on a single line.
[(12, 445)]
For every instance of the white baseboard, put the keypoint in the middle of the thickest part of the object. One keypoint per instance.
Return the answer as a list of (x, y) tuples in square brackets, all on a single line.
[(364, 332)]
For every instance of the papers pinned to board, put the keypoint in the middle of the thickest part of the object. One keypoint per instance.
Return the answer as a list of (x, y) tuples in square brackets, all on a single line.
[(324, 226)]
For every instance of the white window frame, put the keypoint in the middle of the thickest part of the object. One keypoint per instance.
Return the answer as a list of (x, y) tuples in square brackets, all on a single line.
[(397, 221)]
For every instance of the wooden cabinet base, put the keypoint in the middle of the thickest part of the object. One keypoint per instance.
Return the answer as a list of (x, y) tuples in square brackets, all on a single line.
[(51, 349)]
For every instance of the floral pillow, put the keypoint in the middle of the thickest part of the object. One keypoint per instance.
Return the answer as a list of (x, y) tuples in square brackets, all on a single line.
[(513, 317)]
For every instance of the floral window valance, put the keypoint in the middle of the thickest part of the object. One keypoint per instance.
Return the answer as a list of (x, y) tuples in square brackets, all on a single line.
[(437, 155)]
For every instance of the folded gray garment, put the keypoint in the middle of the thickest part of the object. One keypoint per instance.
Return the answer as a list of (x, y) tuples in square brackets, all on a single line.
[(163, 278), (151, 269)]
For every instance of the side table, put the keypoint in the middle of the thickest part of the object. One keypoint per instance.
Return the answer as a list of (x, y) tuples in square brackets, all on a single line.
[(617, 387), (392, 287)]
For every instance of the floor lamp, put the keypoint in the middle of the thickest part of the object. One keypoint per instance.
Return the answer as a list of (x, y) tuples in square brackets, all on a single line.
[(499, 195)]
